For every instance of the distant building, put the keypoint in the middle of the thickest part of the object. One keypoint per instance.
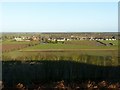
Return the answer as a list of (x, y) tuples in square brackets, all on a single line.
[(35, 38), (60, 39), (18, 39)]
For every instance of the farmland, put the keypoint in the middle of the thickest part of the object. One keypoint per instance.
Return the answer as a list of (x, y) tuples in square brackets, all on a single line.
[(71, 61), (12, 45), (74, 50), (74, 45)]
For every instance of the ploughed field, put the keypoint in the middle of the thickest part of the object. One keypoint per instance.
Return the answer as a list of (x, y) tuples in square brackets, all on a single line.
[(12, 47), (9, 46)]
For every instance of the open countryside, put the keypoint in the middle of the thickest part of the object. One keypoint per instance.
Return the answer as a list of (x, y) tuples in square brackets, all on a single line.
[(48, 44), (60, 45), (64, 57)]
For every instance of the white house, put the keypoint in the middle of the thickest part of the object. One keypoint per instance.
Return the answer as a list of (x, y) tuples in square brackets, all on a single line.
[(18, 39), (60, 39)]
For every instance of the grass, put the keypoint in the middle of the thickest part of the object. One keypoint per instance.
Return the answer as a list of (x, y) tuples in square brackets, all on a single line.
[(87, 52), (115, 42), (67, 46), (75, 51)]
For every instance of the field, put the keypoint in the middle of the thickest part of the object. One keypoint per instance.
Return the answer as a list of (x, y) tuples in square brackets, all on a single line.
[(71, 61), (13, 45), (73, 50)]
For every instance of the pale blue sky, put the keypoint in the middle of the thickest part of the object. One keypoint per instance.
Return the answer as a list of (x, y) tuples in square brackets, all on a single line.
[(60, 17)]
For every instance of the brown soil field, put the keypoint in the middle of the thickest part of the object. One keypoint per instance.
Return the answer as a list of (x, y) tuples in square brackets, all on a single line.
[(10, 47)]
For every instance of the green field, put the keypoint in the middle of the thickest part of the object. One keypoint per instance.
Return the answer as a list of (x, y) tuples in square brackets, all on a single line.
[(69, 50), (67, 46), (115, 42)]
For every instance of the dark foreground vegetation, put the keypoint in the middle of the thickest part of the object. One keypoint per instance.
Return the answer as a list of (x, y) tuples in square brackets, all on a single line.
[(61, 85), (51, 75)]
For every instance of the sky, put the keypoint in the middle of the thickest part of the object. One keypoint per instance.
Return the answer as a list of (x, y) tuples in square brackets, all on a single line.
[(59, 16)]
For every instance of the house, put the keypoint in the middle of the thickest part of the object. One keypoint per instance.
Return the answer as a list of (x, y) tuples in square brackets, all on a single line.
[(68, 39), (18, 39), (51, 39), (60, 39), (35, 38)]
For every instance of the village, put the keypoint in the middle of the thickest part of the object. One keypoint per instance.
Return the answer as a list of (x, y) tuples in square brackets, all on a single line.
[(63, 37)]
